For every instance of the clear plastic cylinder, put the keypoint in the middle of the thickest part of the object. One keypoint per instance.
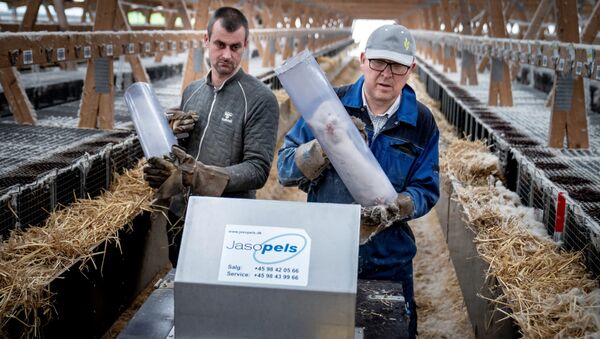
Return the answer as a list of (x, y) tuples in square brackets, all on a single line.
[(150, 120), (327, 118)]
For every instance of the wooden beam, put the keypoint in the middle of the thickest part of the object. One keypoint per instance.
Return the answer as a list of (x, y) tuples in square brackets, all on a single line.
[(135, 61), (248, 10), (568, 116), (521, 10), (15, 94), (267, 19), (48, 13), (468, 73), (589, 32), (183, 14), (427, 22), (76, 27), (484, 20), (194, 67), (538, 17), (30, 16), (288, 49), (59, 8), (17, 98), (276, 17), (97, 101), (449, 55), (508, 10), (169, 24), (88, 108), (500, 90), (438, 53)]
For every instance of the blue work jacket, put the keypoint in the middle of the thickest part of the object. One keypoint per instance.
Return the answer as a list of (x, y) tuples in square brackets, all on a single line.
[(406, 148)]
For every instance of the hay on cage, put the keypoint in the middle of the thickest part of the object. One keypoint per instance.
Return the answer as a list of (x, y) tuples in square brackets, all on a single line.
[(548, 290), (469, 162), (31, 259), (329, 64)]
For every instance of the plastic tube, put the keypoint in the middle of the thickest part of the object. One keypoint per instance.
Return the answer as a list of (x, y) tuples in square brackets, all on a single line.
[(150, 120), (327, 118)]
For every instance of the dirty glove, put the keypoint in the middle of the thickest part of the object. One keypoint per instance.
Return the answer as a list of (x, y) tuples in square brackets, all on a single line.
[(181, 123), (202, 179), (310, 158), (376, 218), (360, 125), (157, 171)]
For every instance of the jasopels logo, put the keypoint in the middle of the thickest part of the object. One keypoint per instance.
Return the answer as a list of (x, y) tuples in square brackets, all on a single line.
[(280, 248)]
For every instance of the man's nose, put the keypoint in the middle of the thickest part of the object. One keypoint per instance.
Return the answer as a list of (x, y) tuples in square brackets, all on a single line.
[(387, 71), (226, 53)]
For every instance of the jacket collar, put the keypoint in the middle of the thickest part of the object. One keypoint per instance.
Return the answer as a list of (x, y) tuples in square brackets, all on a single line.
[(237, 74), (407, 112)]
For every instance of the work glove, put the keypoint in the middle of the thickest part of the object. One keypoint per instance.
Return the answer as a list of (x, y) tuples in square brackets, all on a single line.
[(360, 125), (181, 123), (310, 158), (202, 179), (374, 219), (157, 171)]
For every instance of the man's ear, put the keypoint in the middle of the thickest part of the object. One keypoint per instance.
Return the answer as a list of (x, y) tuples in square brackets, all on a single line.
[(362, 57), (206, 39)]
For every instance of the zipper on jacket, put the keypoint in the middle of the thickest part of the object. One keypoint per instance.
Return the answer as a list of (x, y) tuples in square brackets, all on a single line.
[(212, 105)]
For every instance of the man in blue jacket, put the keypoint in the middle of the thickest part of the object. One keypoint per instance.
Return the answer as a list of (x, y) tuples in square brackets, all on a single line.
[(403, 136)]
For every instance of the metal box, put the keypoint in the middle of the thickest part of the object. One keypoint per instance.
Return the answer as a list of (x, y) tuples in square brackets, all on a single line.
[(267, 269)]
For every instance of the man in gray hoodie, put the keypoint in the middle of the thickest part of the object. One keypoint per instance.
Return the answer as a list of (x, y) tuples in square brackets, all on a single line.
[(231, 145)]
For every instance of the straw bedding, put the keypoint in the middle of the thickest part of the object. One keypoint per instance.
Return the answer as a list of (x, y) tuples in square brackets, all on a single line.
[(31, 259), (547, 291)]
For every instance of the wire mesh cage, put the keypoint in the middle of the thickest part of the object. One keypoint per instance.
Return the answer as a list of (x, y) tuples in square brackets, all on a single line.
[(55, 166), (538, 174), (8, 216)]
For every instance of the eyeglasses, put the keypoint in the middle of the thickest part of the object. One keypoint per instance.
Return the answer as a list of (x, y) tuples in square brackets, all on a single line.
[(380, 66)]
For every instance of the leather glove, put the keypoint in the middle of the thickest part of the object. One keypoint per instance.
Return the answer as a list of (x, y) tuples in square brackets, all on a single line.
[(374, 219), (310, 158), (157, 171), (360, 125), (181, 123), (202, 179)]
